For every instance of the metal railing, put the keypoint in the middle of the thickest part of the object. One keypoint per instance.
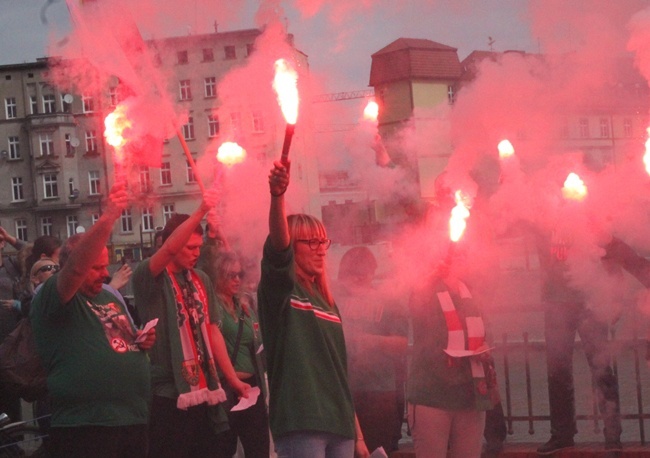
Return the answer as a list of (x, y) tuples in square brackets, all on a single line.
[(531, 389)]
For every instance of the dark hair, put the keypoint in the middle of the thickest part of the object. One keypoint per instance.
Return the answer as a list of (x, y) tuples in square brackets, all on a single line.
[(176, 220), (44, 246), (67, 248), (357, 260)]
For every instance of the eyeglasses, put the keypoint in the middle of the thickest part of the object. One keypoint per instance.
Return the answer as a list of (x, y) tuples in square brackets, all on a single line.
[(315, 243), (48, 268), (233, 275)]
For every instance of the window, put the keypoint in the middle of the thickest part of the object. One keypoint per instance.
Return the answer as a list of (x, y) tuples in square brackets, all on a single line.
[(69, 149), (49, 103), (258, 122), (71, 189), (17, 189), (168, 211), (94, 218), (72, 222), (235, 121), (88, 104), (50, 186), (181, 57), (165, 174), (213, 125), (47, 145), (188, 129), (250, 47), (229, 52), (145, 179), (210, 85), (21, 229), (627, 127), (189, 172), (604, 128), (93, 182), (583, 126), (33, 104), (11, 111), (185, 91), (66, 107), (113, 96), (208, 55), (91, 141), (126, 221), (451, 95), (14, 147), (46, 225), (147, 219)]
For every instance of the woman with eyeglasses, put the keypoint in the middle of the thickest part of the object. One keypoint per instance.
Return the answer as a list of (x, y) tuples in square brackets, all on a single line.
[(240, 329), (311, 411)]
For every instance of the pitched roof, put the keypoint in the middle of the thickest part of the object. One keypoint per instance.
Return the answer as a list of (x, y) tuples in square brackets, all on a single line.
[(413, 58)]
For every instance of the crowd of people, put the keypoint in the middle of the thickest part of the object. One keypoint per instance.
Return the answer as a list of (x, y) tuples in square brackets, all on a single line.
[(167, 377)]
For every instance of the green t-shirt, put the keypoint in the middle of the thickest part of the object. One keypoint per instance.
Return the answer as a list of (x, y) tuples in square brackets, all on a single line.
[(250, 335), (305, 350), (97, 375), (153, 297)]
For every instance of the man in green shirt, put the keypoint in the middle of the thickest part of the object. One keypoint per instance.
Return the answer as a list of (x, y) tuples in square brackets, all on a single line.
[(98, 374)]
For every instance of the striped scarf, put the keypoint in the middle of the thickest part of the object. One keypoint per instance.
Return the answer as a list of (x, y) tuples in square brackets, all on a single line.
[(465, 341), (195, 373)]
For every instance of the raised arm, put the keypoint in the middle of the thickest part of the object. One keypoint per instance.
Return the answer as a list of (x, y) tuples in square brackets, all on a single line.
[(13, 241), (278, 227), (214, 231), (177, 240), (91, 245)]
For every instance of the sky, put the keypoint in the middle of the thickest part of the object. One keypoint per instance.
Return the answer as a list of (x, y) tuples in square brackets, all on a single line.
[(339, 37)]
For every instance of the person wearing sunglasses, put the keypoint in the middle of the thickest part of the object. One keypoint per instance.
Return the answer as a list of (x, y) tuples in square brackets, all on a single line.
[(240, 328), (97, 369), (311, 411)]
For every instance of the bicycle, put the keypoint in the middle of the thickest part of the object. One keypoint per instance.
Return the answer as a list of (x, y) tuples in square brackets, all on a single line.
[(20, 439)]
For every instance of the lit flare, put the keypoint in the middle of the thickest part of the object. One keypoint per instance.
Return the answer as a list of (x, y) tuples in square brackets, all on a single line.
[(285, 84), (116, 126), (506, 149), (458, 219), (574, 188), (230, 153), (371, 111)]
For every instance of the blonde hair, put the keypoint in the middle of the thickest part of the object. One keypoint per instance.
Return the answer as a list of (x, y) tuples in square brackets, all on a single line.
[(303, 226), (219, 267)]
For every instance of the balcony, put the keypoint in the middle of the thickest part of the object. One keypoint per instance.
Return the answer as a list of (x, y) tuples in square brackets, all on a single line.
[(36, 121)]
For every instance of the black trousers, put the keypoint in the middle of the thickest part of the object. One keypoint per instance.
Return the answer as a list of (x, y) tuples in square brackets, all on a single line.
[(99, 442), (562, 321), (176, 433), (251, 426)]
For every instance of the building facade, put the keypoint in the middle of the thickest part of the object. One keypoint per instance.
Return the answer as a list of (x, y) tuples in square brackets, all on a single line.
[(57, 168)]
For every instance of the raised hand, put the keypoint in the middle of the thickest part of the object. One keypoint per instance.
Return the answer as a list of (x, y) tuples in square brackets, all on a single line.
[(279, 178), (118, 199)]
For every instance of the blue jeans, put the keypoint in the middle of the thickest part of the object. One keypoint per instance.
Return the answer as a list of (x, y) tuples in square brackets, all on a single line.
[(314, 444)]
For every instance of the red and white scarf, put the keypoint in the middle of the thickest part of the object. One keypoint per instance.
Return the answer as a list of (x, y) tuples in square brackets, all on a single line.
[(194, 385), (462, 344)]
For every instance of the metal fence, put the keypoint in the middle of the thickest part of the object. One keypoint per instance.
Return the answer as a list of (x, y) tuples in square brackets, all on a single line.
[(521, 366)]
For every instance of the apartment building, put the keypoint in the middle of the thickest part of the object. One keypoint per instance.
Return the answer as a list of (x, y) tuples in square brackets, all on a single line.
[(56, 167)]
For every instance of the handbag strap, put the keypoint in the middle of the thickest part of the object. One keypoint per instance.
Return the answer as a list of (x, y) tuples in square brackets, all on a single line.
[(235, 349)]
